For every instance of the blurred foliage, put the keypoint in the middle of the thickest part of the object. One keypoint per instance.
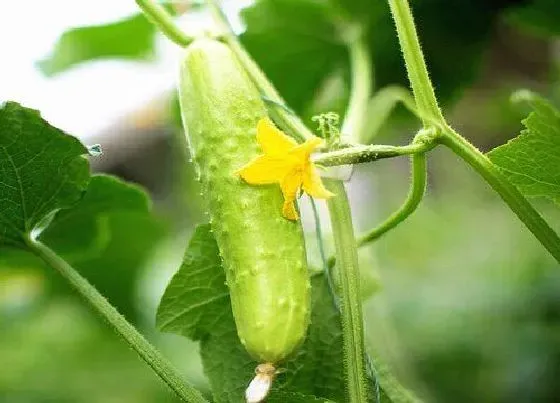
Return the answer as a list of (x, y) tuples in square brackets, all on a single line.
[(131, 38), (538, 16), (311, 46)]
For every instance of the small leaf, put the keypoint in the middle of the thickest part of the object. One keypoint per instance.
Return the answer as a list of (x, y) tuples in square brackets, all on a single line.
[(42, 169), (83, 231), (130, 38), (107, 236), (194, 300), (532, 159)]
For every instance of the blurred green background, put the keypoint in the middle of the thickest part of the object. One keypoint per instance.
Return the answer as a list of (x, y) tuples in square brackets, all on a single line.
[(468, 304)]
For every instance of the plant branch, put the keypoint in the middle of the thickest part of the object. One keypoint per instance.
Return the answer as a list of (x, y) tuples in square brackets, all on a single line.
[(160, 17), (349, 281), (415, 195), (145, 350), (415, 65), (280, 113), (362, 83), (360, 154), (507, 191)]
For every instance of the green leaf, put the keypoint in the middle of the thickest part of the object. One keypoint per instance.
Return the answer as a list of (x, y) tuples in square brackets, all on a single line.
[(194, 300), (106, 232), (84, 231), (107, 236), (539, 17), (532, 160), (42, 169), (296, 45), (131, 38), (299, 43), (196, 304)]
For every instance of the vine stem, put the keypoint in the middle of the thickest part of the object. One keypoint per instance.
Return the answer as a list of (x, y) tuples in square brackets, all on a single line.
[(163, 368), (360, 154), (415, 195), (351, 305), (422, 88), (159, 16), (431, 116), (348, 272)]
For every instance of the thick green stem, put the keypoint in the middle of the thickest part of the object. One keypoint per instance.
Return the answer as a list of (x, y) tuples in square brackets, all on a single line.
[(415, 194), (145, 350), (159, 16), (422, 89), (350, 301), (361, 154), (507, 191), (281, 114), (360, 64)]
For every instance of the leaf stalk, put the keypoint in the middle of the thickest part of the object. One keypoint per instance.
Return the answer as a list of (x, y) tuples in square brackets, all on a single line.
[(159, 364)]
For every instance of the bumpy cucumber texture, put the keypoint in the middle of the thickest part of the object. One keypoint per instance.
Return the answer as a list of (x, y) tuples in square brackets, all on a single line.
[(263, 253)]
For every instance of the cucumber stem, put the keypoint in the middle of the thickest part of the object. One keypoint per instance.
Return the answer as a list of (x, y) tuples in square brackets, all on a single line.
[(160, 17)]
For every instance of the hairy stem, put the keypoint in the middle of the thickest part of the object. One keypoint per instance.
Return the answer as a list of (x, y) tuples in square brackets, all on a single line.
[(159, 16), (350, 302), (507, 191), (145, 350), (415, 194), (361, 154), (415, 65)]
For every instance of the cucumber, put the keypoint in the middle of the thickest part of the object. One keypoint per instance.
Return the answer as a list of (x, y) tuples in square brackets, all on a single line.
[(263, 253)]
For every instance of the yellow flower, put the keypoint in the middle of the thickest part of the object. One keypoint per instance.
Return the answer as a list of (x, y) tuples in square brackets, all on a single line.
[(287, 163)]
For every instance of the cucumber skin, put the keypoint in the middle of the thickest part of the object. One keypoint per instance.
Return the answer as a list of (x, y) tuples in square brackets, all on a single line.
[(263, 253)]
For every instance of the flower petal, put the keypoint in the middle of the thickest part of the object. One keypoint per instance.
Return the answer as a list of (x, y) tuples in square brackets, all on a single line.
[(289, 210), (303, 151), (272, 140), (313, 185), (264, 170), (291, 184)]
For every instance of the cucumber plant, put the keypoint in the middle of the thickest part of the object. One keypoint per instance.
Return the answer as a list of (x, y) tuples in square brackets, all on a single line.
[(276, 319)]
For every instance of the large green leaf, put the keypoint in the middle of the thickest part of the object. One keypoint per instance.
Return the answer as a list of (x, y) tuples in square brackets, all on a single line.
[(130, 38), (42, 169), (295, 43), (106, 230), (532, 159), (299, 43), (196, 304)]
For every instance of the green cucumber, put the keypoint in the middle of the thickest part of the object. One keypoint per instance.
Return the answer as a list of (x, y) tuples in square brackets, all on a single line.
[(263, 253)]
